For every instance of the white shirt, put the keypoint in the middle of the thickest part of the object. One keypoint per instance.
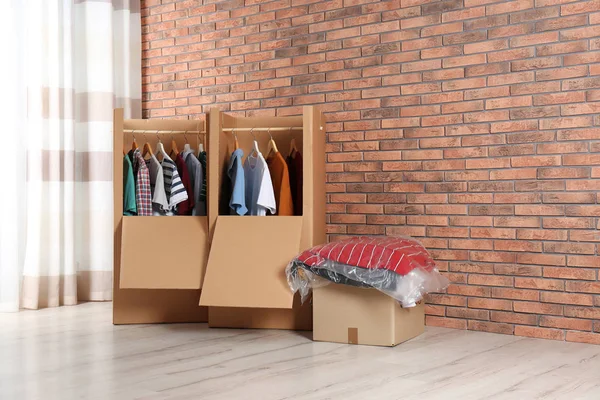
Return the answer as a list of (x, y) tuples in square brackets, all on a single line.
[(259, 187), (160, 204)]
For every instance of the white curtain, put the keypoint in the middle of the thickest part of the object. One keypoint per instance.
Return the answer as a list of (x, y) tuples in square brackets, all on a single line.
[(67, 64)]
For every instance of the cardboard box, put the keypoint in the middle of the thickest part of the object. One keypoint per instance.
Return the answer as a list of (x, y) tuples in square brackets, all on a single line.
[(245, 284), (346, 314), (158, 261)]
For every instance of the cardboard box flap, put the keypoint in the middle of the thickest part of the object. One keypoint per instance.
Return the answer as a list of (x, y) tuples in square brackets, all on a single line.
[(163, 252), (246, 265)]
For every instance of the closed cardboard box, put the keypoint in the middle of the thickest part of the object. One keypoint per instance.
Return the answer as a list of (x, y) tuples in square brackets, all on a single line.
[(346, 314)]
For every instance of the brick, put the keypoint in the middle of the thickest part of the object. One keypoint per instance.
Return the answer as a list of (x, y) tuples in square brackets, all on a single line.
[(486, 23), (566, 122), (473, 291), (541, 234), (584, 287), (579, 33), (533, 15), (583, 261), (541, 333), (537, 308), (536, 63), (562, 48), (467, 313), (509, 7), (566, 298), (453, 323), (518, 270), (487, 280), (440, 52), (492, 256), (514, 126), (420, 21), (586, 211), (491, 327), (509, 102), (463, 84), (558, 98), (561, 23), (541, 259), (513, 318), (583, 337), (514, 174), (538, 38), (581, 7), (510, 31), (467, 13), (464, 60), (490, 304), (487, 69), (486, 93), (442, 29), (467, 37), (517, 222), (582, 312)]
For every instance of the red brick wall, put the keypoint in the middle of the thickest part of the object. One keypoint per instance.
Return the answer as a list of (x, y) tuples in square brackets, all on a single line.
[(473, 125)]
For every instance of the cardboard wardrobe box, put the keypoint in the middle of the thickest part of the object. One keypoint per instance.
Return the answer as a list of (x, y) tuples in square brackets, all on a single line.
[(245, 284), (159, 262), (347, 314)]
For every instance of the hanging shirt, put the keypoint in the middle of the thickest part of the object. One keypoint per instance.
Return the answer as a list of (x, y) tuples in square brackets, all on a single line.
[(143, 191), (259, 188), (185, 207), (295, 167), (160, 204), (236, 174), (202, 159), (174, 188), (281, 184), (195, 172), (129, 206)]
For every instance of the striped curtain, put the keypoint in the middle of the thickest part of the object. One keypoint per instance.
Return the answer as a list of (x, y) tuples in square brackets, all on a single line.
[(73, 62)]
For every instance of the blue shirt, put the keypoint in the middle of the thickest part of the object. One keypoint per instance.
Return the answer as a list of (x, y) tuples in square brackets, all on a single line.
[(237, 203)]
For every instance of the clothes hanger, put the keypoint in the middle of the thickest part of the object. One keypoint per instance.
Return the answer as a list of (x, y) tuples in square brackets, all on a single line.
[(255, 148), (174, 150), (293, 147), (272, 144), (147, 148), (160, 149), (235, 139), (186, 146), (134, 144)]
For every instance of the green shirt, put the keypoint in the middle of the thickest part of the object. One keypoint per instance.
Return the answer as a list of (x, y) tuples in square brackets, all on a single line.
[(129, 207)]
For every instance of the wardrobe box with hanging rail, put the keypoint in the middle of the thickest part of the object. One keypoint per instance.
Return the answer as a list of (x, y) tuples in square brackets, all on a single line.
[(346, 314), (245, 284), (159, 261)]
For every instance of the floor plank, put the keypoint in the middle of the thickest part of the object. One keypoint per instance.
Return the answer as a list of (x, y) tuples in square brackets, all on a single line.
[(76, 353)]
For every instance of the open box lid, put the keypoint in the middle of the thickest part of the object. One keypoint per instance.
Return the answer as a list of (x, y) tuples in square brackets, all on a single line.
[(246, 265)]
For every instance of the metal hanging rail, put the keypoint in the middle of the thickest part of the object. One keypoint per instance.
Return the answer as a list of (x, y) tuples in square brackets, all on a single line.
[(159, 132)]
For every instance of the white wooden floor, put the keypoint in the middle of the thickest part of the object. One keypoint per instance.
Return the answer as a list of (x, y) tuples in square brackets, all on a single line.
[(76, 353)]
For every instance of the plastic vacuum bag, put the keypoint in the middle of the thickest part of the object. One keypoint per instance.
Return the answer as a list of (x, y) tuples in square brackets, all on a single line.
[(397, 266)]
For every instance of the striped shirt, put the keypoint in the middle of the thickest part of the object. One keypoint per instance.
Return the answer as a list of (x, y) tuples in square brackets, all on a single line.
[(174, 188)]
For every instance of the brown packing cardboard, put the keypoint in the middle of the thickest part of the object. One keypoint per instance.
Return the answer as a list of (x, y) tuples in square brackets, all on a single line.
[(163, 252), (158, 261), (346, 314), (245, 284)]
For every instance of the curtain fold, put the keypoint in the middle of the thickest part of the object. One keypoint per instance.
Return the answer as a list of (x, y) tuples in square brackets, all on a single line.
[(75, 61)]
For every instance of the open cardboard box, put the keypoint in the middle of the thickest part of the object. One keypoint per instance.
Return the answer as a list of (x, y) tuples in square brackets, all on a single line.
[(159, 262), (346, 314), (245, 284)]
